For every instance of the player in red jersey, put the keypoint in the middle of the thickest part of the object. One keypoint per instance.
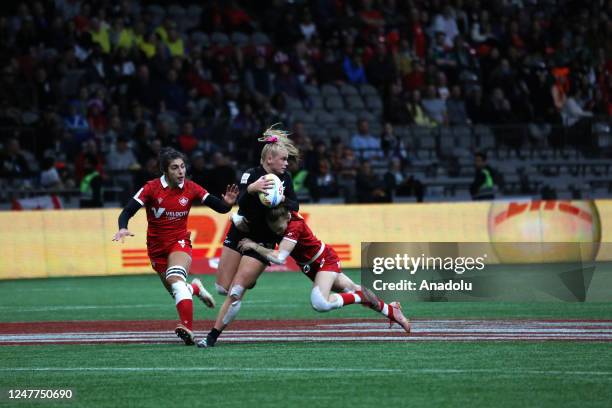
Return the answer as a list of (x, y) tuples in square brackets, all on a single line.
[(168, 200), (321, 264)]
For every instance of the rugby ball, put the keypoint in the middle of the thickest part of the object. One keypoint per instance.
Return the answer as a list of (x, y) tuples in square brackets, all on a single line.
[(273, 195)]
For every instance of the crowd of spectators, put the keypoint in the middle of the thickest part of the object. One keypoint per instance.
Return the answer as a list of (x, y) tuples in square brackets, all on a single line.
[(104, 85)]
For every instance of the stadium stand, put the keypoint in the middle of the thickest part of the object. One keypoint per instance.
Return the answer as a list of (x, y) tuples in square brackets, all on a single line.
[(530, 83)]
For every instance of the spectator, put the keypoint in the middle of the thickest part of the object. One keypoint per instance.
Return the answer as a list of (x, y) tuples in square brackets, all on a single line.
[(259, 80), (391, 144), (455, 106), (324, 183), (150, 171), (45, 94), (380, 70), (186, 140), (364, 143), (416, 112), (329, 69), (49, 176), (397, 183), (91, 184), (222, 174), (434, 107), (14, 161), (577, 121), (301, 179), (142, 89), (353, 69), (370, 188), (308, 28), (121, 163), (445, 23), (485, 179), (199, 172), (288, 84), (77, 124), (174, 96)]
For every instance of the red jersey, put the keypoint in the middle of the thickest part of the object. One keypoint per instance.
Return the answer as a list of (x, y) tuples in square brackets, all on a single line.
[(308, 247), (167, 210)]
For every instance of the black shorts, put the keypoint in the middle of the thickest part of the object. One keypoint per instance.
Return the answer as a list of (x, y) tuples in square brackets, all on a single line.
[(234, 235)]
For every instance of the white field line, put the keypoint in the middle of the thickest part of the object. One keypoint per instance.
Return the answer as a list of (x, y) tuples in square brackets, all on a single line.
[(166, 339), (360, 371)]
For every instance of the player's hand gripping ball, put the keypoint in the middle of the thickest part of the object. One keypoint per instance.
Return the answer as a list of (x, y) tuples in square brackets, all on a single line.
[(273, 195)]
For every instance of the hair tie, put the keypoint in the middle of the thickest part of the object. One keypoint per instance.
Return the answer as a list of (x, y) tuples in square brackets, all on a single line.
[(268, 139)]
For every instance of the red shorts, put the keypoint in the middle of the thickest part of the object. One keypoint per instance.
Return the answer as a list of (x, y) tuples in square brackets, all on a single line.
[(159, 255), (328, 261)]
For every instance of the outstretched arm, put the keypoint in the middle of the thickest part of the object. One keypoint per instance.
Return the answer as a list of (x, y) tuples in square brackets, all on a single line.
[(278, 256), (128, 212), (228, 200)]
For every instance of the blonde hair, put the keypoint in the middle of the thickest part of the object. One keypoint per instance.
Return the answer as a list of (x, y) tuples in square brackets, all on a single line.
[(277, 140)]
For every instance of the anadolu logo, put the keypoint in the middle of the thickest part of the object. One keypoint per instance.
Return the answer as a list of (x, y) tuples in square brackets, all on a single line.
[(537, 221)]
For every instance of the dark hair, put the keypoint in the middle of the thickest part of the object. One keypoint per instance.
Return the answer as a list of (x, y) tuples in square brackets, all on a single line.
[(277, 212), (166, 155), (482, 155)]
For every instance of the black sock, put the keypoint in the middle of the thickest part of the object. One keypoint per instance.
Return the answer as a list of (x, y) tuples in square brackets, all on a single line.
[(211, 337)]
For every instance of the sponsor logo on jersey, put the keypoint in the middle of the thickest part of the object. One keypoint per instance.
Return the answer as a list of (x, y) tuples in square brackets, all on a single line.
[(159, 200), (157, 212), (183, 201), (176, 214)]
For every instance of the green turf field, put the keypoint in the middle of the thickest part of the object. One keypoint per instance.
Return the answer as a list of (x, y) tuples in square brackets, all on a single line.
[(276, 296), (394, 374)]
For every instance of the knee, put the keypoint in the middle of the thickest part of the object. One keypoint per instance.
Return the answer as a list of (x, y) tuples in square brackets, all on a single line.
[(236, 292), (318, 302), (220, 289), (176, 273)]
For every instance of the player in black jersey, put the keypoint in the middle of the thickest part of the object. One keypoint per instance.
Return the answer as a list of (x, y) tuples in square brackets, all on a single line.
[(238, 271)]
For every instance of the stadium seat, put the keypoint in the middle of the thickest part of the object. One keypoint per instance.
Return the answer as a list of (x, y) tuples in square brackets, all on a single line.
[(334, 103), (260, 39), (316, 102), (373, 103), (156, 9), (293, 104), (365, 115), (329, 90), (341, 134), (219, 39), (367, 89), (200, 38), (325, 118), (311, 90), (354, 102), (303, 116), (347, 89), (176, 12), (239, 39), (346, 118)]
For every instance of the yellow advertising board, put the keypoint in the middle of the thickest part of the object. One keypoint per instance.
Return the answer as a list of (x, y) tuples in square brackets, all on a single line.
[(79, 242)]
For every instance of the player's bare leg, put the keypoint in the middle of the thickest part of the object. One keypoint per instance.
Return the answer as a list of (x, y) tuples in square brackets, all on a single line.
[(228, 267), (249, 270), (391, 310), (344, 284), (176, 278), (323, 300)]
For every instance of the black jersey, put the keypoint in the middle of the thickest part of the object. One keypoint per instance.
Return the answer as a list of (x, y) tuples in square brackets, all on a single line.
[(250, 206)]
